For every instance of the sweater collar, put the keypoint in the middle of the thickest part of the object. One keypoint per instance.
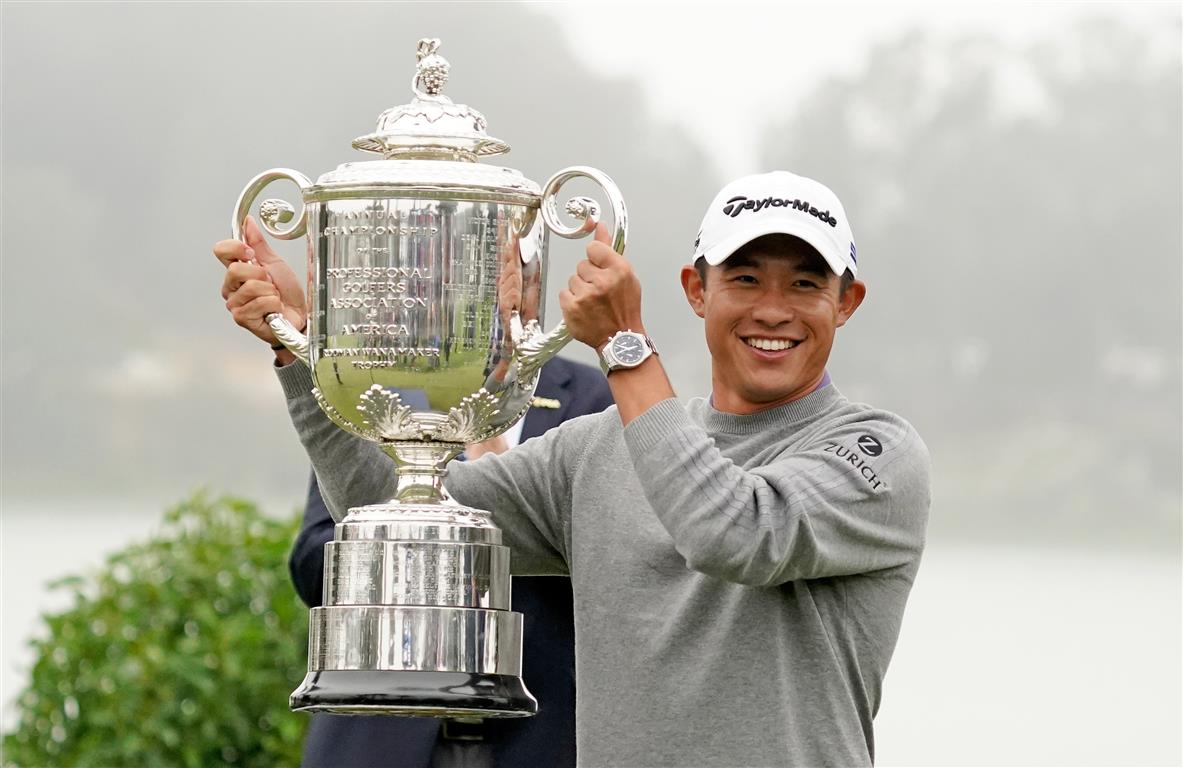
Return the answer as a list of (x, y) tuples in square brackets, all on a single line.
[(800, 410)]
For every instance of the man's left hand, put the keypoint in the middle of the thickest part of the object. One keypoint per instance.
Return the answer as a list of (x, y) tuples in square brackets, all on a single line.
[(603, 296)]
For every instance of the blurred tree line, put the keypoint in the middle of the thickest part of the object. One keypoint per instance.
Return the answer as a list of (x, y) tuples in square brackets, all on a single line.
[(175, 363), (1023, 256), (1018, 211)]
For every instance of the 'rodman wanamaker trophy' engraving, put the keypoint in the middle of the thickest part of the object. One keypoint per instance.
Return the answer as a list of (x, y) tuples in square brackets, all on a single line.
[(426, 275)]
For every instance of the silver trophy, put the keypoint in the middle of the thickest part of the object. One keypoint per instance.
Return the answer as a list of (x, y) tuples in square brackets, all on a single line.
[(426, 275)]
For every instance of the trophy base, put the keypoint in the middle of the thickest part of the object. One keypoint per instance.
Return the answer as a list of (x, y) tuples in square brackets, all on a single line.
[(413, 693)]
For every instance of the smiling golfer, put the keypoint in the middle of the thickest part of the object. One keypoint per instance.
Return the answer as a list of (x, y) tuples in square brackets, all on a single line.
[(740, 564)]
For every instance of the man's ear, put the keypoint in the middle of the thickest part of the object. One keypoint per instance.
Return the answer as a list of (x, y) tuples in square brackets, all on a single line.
[(693, 288), (850, 301)]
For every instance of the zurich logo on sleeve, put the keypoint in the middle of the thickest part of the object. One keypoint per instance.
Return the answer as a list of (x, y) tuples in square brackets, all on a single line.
[(870, 445)]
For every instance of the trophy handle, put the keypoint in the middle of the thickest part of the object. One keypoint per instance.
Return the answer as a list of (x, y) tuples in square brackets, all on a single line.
[(534, 346), (273, 213)]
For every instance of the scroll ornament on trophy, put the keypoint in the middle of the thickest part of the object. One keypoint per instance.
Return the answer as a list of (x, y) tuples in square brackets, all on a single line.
[(426, 289)]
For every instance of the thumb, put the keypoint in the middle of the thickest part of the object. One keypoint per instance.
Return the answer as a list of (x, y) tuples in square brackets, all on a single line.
[(603, 235), (254, 238)]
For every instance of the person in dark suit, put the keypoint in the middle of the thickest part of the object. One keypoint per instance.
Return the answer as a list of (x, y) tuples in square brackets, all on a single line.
[(565, 390)]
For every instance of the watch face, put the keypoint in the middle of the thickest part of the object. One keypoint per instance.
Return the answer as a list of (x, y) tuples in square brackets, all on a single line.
[(628, 349)]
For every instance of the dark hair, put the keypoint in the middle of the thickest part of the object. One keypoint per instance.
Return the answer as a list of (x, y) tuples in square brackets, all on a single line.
[(778, 244)]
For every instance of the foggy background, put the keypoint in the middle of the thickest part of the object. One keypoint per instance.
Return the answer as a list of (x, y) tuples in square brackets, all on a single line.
[(1012, 173)]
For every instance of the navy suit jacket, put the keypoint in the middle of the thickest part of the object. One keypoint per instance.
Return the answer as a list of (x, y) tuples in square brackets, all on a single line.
[(548, 643)]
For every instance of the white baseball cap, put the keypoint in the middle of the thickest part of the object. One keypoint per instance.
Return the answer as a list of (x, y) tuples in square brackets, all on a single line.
[(778, 202)]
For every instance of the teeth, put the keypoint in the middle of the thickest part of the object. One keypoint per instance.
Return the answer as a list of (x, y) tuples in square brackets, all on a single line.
[(771, 345)]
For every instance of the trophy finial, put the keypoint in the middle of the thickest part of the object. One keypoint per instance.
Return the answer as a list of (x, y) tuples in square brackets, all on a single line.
[(431, 126), (432, 72)]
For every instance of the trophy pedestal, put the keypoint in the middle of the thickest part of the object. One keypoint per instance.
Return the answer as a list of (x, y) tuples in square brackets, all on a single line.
[(416, 618), (423, 694)]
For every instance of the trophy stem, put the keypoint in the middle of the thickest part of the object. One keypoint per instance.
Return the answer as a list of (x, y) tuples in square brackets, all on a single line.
[(421, 468)]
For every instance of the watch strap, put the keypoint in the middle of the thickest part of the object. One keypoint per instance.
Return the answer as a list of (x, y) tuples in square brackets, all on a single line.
[(608, 360)]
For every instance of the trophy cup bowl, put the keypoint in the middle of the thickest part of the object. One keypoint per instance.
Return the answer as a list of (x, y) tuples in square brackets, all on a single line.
[(426, 286)]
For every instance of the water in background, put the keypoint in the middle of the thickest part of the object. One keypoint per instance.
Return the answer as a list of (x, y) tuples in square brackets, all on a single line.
[(1007, 657), (1036, 657)]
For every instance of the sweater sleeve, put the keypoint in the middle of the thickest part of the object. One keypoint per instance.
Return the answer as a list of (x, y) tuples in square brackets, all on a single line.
[(350, 471), (807, 514), (524, 489), (528, 490)]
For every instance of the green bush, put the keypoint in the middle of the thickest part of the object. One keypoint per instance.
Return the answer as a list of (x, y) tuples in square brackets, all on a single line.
[(180, 651)]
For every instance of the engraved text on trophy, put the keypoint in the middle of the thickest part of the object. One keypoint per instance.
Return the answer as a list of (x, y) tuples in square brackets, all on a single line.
[(409, 290)]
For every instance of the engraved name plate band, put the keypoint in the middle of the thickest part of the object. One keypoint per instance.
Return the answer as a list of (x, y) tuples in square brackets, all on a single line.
[(426, 293)]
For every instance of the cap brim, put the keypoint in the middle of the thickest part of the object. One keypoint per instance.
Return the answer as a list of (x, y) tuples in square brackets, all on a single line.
[(825, 247)]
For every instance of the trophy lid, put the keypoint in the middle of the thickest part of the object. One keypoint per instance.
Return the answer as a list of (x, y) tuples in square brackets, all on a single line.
[(431, 126)]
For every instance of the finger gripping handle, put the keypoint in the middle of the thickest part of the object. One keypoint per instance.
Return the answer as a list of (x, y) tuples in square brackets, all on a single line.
[(537, 347), (272, 213)]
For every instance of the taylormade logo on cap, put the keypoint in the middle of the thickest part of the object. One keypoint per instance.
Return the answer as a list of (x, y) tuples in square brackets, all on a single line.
[(738, 204), (772, 203)]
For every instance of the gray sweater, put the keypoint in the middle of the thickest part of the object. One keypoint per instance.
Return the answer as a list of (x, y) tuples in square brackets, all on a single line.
[(739, 581)]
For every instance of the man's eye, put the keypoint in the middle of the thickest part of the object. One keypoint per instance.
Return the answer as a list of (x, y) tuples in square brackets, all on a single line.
[(745, 279), (805, 284)]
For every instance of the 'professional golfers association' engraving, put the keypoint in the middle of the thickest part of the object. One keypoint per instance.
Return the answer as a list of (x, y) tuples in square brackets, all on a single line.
[(426, 278)]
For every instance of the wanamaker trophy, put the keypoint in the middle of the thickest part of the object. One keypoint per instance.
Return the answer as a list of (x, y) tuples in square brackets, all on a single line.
[(426, 278)]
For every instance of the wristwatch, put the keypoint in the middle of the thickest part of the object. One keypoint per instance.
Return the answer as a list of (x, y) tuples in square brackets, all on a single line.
[(626, 349)]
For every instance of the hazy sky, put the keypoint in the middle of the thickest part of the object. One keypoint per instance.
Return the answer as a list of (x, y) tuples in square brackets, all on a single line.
[(708, 68)]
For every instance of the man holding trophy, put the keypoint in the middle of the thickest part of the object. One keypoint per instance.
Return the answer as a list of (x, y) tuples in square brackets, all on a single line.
[(739, 565)]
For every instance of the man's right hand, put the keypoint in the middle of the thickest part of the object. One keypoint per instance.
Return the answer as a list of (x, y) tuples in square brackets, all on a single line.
[(258, 283)]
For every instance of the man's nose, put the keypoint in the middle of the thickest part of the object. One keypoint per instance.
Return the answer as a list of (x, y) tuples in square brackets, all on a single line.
[(772, 310)]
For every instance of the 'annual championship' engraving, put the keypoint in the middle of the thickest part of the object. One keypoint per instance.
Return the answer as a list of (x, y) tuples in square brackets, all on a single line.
[(392, 229)]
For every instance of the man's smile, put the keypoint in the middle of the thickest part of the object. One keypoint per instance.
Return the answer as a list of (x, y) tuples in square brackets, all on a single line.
[(768, 344)]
